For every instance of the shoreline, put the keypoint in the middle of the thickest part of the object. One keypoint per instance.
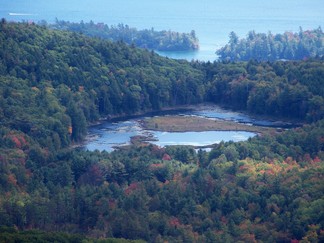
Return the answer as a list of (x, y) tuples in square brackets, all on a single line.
[(279, 121), (180, 119)]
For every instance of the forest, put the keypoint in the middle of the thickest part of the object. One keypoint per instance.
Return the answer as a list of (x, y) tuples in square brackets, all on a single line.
[(271, 47), (55, 83), (147, 38)]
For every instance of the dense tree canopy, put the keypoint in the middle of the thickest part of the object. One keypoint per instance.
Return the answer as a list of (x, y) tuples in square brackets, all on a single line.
[(286, 89), (93, 77), (260, 46), (54, 83)]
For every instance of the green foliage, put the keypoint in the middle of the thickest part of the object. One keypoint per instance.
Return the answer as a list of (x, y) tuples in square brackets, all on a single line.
[(260, 46), (8, 234), (135, 194), (150, 39), (54, 83), (76, 79), (283, 89)]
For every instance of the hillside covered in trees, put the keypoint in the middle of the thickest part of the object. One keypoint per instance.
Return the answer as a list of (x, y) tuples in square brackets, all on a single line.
[(150, 39), (264, 47), (53, 84)]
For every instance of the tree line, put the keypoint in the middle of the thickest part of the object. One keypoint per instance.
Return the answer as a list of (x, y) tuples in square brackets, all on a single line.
[(147, 38)]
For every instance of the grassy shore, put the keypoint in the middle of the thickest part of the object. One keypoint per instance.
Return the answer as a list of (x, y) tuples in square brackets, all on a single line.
[(195, 123)]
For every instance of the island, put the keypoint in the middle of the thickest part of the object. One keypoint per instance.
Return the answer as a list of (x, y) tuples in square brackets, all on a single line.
[(271, 47), (179, 123)]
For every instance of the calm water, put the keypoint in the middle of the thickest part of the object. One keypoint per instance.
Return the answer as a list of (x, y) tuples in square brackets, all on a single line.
[(118, 133), (212, 20), (110, 134), (199, 138)]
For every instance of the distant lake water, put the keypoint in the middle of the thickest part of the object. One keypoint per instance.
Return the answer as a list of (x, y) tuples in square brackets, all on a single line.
[(212, 20)]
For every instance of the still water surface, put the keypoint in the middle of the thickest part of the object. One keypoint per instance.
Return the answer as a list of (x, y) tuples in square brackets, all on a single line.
[(110, 134), (212, 20)]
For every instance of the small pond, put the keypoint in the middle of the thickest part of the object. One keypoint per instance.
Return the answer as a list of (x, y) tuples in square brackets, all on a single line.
[(110, 134)]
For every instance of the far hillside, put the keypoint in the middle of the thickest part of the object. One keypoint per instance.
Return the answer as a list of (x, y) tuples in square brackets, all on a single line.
[(270, 47)]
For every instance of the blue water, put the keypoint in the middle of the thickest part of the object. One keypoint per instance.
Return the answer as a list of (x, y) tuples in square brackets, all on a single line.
[(199, 138), (108, 136), (212, 20)]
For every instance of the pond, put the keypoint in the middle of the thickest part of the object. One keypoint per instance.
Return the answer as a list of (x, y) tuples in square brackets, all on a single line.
[(111, 134)]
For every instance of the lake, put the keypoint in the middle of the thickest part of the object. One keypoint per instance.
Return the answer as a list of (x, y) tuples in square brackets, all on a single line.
[(116, 133), (212, 20)]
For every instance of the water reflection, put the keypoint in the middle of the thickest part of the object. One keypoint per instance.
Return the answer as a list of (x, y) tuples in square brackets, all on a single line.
[(108, 135), (199, 138), (216, 112)]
